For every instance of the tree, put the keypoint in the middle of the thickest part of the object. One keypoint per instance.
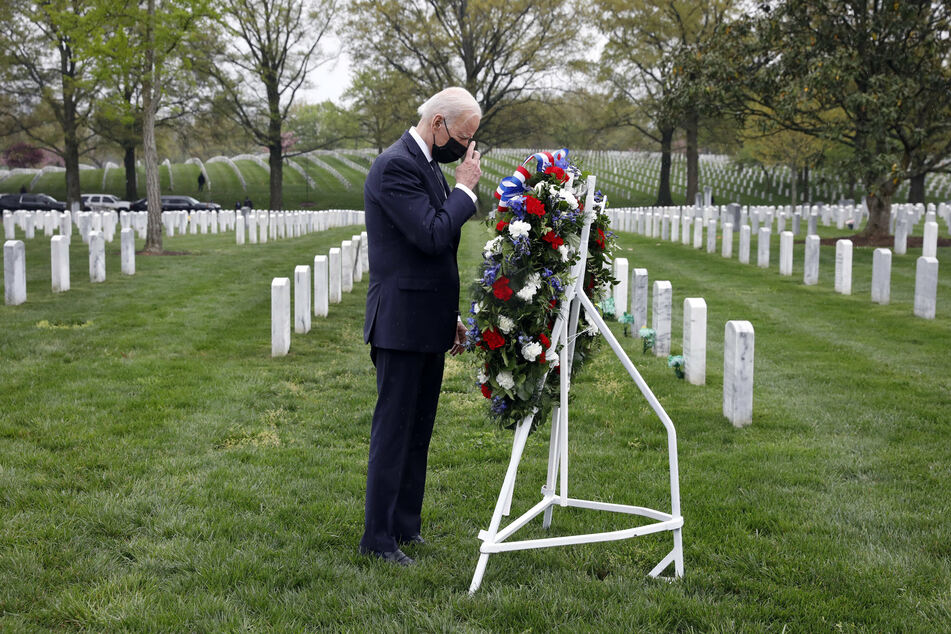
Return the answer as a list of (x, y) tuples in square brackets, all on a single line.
[(22, 154), (383, 103), (872, 76), (321, 126), (273, 44), (643, 63), (498, 51), (147, 42), (42, 68), (771, 145)]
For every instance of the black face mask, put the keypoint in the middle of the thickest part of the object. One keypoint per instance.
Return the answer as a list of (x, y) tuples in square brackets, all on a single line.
[(449, 151)]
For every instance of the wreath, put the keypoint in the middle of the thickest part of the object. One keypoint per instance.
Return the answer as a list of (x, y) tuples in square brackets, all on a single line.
[(526, 269)]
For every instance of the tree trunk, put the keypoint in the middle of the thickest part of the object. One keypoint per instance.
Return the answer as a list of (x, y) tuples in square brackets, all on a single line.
[(879, 213), (805, 184), (131, 188), (794, 185), (693, 160), (276, 163), (664, 198), (70, 136), (916, 193), (150, 93)]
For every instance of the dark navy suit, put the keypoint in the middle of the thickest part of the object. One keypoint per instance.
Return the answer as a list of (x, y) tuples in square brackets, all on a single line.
[(413, 227)]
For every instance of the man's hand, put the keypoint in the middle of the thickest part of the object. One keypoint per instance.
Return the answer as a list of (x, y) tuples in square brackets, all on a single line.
[(468, 172), (458, 344)]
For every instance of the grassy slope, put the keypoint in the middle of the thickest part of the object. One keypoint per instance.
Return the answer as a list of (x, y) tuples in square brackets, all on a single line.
[(159, 471)]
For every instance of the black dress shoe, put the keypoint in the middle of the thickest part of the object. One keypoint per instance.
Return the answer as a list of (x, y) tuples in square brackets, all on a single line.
[(414, 539), (397, 556)]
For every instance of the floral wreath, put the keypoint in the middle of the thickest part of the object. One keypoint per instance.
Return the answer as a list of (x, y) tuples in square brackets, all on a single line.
[(525, 272)]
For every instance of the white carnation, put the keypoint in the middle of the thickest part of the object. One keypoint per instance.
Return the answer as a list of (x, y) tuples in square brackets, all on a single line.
[(492, 247), (563, 252), (482, 378), (506, 324), (505, 380), (531, 351), (519, 228), (560, 193), (476, 308), (532, 284)]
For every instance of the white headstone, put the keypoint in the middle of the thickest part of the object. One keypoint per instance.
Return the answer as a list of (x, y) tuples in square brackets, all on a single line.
[(762, 248), (744, 244), (252, 227), (346, 264), (280, 316), (675, 229), (901, 234), (685, 228), (59, 263), (738, 343), (785, 253), (9, 226), (697, 233), (881, 276), (14, 272), (639, 298), (620, 291), (364, 252), (843, 267), (726, 248), (358, 248), (926, 287), (320, 286), (695, 340), (929, 248), (810, 275), (239, 229), (335, 292), (97, 257), (127, 251), (302, 299), (663, 311), (712, 236)]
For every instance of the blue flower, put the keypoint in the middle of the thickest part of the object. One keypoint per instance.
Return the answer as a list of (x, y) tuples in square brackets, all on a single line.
[(491, 272), (499, 405)]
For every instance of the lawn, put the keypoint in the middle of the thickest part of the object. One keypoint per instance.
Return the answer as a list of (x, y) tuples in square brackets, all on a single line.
[(159, 471)]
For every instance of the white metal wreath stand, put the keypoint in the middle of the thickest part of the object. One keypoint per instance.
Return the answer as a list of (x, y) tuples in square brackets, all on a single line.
[(563, 337)]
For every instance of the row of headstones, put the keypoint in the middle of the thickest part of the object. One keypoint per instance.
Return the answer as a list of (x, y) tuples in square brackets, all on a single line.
[(334, 274), (254, 223), (926, 275), (737, 341), (14, 263), (255, 226)]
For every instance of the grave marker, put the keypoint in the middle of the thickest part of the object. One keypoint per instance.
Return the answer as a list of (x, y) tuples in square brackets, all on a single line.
[(843, 267), (810, 274), (59, 263), (881, 276), (738, 344), (127, 251), (97, 257), (280, 316), (302, 299), (926, 287), (663, 310), (14, 272), (695, 340)]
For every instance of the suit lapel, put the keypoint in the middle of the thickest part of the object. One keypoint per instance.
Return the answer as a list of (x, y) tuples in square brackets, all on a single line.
[(436, 184)]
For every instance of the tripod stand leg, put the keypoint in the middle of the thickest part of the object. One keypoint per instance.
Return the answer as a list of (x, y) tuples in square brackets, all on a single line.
[(552, 465), (521, 435)]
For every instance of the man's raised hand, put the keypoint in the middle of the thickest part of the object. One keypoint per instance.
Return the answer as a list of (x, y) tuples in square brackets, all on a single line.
[(468, 172)]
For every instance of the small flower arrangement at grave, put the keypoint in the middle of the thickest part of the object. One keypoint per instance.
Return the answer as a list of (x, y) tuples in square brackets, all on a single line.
[(628, 320), (647, 338), (676, 361), (526, 269)]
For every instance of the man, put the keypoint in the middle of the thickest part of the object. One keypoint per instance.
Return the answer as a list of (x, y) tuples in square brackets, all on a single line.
[(413, 227)]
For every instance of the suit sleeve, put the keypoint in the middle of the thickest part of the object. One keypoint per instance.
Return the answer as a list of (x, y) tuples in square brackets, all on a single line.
[(406, 203)]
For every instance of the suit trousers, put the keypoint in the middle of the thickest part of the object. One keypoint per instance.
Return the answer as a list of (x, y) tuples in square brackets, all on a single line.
[(408, 385)]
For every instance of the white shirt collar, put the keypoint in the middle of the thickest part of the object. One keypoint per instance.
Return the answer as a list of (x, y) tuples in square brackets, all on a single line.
[(422, 145)]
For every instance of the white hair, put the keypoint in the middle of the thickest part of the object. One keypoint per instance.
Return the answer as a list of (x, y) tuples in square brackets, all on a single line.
[(451, 103)]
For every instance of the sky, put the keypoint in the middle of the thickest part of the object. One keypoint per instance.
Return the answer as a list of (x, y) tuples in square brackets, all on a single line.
[(330, 79)]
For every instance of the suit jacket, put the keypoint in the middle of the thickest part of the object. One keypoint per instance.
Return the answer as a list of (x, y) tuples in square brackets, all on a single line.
[(413, 232)]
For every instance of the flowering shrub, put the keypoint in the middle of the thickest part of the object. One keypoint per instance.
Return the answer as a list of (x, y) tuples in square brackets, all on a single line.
[(526, 268)]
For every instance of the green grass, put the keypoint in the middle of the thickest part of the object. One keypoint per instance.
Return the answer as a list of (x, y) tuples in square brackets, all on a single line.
[(159, 471)]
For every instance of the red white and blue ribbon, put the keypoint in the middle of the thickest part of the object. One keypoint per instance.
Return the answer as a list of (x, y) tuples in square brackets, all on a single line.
[(512, 187)]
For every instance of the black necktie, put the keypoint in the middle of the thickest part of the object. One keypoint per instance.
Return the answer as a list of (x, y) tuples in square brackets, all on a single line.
[(439, 178)]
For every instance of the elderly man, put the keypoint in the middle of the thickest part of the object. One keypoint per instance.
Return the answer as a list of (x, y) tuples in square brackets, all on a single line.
[(413, 224)]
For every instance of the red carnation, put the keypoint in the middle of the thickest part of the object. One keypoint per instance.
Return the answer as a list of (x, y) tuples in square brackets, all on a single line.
[(558, 172), (553, 239), (486, 391), (492, 338), (501, 289), (501, 226), (545, 341), (541, 357), (534, 206), (551, 306), (600, 240)]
